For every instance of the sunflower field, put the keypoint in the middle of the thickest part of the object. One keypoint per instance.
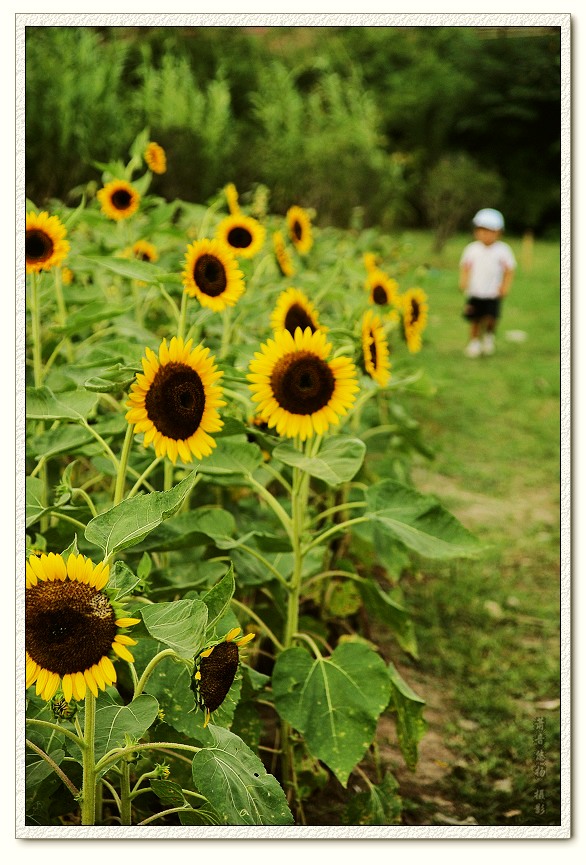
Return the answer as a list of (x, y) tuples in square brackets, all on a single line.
[(219, 507)]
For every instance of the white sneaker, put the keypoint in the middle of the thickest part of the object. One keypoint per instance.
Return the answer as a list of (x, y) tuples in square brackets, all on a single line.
[(473, 349), (488, 345)]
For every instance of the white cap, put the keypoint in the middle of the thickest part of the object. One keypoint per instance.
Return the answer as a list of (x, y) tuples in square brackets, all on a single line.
[(489, 218)]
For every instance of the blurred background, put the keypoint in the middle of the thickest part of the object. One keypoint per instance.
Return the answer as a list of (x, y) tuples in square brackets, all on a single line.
[(400, 127)]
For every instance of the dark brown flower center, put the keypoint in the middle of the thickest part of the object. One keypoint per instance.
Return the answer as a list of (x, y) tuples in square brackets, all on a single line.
[(176, 400), (38, 245), (302, 383), (210, 276), (414, 311), (297, 230), (372, 349), (69, 626), (239, 237), (297, 316), (121, 199), (379, 295), (218, 671)]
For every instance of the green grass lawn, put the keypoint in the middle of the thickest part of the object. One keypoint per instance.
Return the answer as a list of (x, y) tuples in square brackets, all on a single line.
[(489, 630)]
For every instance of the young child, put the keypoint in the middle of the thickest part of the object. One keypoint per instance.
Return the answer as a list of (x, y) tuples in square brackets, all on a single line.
[(486, 272)]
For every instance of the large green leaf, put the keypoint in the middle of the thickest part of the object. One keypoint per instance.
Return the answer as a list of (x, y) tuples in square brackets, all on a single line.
[(91, 313), (115, 722), (217, 600), (338, 460), (334, 702), (410, 723), (190, 529), (419, 521), (237, 785), (129, 522), (128, 267), (180, 625), (231, 458), (389, 611), (380, 805), (34, 501), (73, 405)]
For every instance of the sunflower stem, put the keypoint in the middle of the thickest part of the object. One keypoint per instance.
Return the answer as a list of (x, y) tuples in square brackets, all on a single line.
[(123, 464), (62, 310), (279, 511), (59, 772), (168, 475), (142, 478), (226, 330), (88, 796), (166, 653), (182, 316), (125, 801)]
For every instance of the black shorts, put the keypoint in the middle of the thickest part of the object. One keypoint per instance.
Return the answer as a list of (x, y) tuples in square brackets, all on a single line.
[(477, 308)]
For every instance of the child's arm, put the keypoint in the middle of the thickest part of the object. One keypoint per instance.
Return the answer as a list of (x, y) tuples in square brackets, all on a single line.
[(464, 276), (506, 283)]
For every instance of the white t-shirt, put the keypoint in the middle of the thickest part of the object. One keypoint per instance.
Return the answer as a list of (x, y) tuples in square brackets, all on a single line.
[(487, 267)]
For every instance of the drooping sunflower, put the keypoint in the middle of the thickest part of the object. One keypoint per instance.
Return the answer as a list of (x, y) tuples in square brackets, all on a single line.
[(73, 629), (282, 254), (375, 349), (298, 390), (215, 671), (299, 226), (156, 158), (119, 199), (242, 234), (45, 245), (383, 291), (175, 402), (211, 274), (231, 194), (294, 310), (144, 251), (414, 308)]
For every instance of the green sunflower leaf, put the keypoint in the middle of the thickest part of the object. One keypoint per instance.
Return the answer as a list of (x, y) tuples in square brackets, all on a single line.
[(231, 458), (410, 723), (217, 600), (180, 625), (419, 521), (386, 609), (333, 702), (168, 792), (114, 723), (380, 805), (128, 267), (132, 520), (191, 529), (338, 460), (91, 313), (35, 490), (237, 785), (73, 405)]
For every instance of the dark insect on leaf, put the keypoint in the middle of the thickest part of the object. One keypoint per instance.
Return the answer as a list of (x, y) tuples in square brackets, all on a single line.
[(218, 671)]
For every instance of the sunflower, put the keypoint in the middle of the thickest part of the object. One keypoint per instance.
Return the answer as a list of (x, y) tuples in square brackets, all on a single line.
[(215, 671), (45, 245), (382, 289), (119, 199), (211, 274), (282, 254), (294, 310), (297, 389), (73, 629), (175, 403), (299, 225), (231, 194), (155, 158), (144, 251), (375, 349), (370, 261), (414, 308), (242, 234)]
